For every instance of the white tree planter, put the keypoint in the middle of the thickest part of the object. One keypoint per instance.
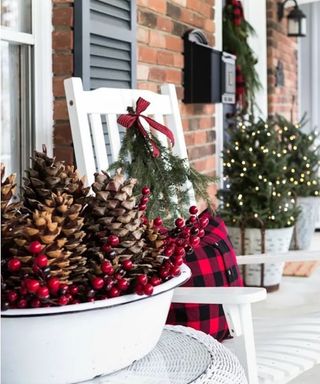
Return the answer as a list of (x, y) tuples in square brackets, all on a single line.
[(306, 223), (63, 345), (276, 240)]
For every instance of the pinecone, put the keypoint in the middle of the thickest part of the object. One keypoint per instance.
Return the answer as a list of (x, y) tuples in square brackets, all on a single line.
[(113, 211), (52, 186), (12, 214)]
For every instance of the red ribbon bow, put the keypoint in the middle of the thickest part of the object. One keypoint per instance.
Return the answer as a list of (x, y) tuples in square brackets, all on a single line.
[(131, 118)]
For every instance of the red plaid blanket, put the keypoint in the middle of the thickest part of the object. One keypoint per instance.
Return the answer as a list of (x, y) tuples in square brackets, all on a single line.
[(213, 264)]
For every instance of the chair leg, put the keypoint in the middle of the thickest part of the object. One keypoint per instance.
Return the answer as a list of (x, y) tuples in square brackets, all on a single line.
[(239, 318)]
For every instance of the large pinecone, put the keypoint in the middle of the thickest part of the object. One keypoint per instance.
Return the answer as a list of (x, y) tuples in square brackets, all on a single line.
[(113, 211), (54, 187)]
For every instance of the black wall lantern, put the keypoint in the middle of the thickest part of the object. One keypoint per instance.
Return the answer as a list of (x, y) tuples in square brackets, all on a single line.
[(296, 19)]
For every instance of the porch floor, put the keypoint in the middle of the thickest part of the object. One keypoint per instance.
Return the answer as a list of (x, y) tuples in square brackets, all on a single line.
[(296, 295)]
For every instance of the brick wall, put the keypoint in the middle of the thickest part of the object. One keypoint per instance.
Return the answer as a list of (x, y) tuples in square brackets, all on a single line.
[(283, 48), (62, 45), (161, 25)]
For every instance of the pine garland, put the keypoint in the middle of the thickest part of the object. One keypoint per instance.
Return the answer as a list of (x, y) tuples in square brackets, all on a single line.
[(166, 175), (236, 31)]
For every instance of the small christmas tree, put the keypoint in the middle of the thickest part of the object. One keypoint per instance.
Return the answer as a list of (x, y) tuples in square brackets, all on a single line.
[(257, 191), (303, 157)]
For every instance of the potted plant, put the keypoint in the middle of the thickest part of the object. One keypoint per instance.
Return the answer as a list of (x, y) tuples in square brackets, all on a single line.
[(256, 200), (85, 278), (303, 156)]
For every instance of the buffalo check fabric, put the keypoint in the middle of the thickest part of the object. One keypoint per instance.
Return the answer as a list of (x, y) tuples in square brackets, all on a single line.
[(213, 264)]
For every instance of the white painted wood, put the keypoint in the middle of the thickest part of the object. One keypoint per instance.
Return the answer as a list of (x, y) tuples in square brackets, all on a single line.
[(98, 141), (16, 37), (114, 135), (80, 129), (43, 93), (279, 257)]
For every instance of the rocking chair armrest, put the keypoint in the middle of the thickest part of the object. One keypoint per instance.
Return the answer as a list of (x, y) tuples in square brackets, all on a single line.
[(273, 257), (219, 295)]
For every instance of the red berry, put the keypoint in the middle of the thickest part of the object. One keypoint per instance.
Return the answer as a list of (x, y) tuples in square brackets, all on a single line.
[(139, 289), (32, 285), (63, 289), (145, 190), (142, 279), (177, 261), (73, 289), (76, 301), (148, 289), (204, 221), (123, 284), (22, 303), (41, 261), (180, 252), (142, 207), (35, 247), (12, 296), (113, 240), (157, 222), (127, 264), (144, 220), (43, 293), (106, 248), (90, 299), (168, 251), (54, 285), (63, 300), (164, 272), (155, 280), (179, 222), (107, 268), (35, 303), (192, 219), (193, 210), (109, 283), (23, 291), (186, 231), (144, 200), (175, 271), (194, 241), (114, 292), (181, 242), (14, 265), (97, 283), (201, 232)]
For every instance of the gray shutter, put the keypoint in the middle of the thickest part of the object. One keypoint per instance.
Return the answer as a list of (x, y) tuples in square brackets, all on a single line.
[(105, 43)]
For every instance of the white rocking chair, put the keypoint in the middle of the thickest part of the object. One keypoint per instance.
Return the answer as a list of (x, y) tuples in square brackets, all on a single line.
[(286, 348)]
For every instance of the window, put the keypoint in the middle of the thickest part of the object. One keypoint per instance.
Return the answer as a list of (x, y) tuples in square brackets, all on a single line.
[(25, 63)]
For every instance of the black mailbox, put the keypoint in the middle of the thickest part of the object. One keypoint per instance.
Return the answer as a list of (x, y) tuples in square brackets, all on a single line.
[(209, 75)]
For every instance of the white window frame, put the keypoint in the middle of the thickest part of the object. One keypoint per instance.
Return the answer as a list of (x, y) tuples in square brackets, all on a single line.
[(41, 40)]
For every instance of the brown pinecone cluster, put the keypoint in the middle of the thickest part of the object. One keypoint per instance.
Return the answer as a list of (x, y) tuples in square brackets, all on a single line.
[(62, 245)]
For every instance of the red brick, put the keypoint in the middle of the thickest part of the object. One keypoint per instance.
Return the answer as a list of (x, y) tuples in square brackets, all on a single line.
[(62, 39), (58, 87), (174, 43), (62, 1), (148, 86), (65, 154), (173, 76), (165, 58), (157, 40), (62, 134), (158, 6), (60, 111), (62, 16), (157, 74), (63, 64), (143, 35), (147, 55), (164, 24)]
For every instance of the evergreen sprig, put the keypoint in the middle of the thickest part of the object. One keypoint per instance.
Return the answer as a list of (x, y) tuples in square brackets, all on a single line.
[(166, 175), (303, 156), (256, 189)]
